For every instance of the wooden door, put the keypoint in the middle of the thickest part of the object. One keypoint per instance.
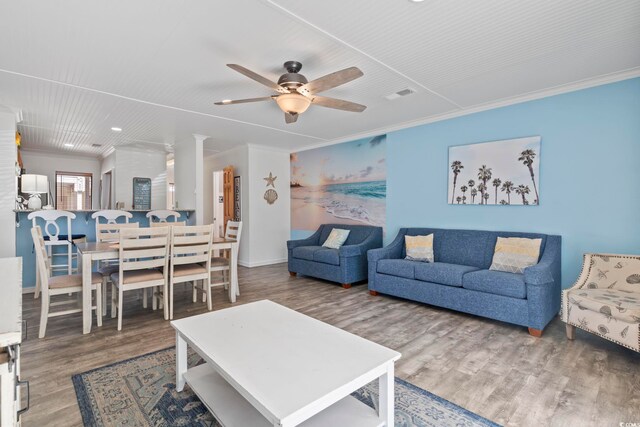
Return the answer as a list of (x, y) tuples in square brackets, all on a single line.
[(227, 188)]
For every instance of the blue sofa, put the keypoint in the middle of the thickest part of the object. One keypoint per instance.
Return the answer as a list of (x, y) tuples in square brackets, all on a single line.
[(346, 265), (460, 278)]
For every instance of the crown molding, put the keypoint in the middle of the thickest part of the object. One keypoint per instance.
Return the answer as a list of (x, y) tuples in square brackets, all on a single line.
[(51, 153)]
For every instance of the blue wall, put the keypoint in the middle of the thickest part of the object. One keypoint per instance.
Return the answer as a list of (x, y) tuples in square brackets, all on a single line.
[(589, 172)]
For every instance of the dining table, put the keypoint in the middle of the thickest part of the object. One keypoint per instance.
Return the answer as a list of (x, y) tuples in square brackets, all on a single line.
[(90, 252)]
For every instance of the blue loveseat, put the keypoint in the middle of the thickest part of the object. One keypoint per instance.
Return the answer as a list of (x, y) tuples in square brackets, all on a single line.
[(346, 265), (460, 278)]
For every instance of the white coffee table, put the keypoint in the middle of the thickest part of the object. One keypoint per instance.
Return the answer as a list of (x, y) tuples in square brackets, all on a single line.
[(267, 365)]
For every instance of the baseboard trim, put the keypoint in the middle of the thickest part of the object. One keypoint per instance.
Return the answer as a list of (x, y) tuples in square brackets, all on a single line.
[(261, 263)]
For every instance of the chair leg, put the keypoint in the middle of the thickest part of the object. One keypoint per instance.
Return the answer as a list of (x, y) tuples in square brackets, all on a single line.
[(105, 281), (120, 302), (165, 301), (225, 279), (204, 291), (36, 294), (144, 298), (99, 304), (571, 332), (114, 301), (171, 299), (154, 300), (209, 301), (44, 315), (195, 291)]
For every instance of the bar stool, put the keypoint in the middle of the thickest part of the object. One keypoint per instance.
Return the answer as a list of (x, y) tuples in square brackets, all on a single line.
[(53, 238), (162, 215)]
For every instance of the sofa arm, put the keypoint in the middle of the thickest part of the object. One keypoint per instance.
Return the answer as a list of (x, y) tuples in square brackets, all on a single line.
[(393, 250), (374, 240), (548, 269), (309, 241)]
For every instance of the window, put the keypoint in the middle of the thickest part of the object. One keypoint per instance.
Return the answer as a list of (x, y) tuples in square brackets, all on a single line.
[(73, 191)]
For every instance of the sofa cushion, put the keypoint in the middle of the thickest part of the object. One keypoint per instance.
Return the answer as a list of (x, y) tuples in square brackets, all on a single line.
[(305, 252), (442, 273), (327, 256), (497, 283), (397, 267)]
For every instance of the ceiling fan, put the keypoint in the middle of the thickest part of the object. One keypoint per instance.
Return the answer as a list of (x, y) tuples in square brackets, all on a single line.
[(296, 93)]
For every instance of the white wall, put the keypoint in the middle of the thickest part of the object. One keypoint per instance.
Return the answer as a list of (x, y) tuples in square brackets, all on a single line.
[(270, 224), (8, 157), (108, 164), (238, 158), (49, 163), (131, 163)]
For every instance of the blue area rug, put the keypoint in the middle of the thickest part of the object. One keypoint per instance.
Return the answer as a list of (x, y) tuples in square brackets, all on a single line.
[(141, 392)]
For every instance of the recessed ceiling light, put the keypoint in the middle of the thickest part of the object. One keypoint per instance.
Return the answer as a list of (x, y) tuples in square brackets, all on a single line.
[(68, 145), (416, 1), (226, 101), (115, 129)]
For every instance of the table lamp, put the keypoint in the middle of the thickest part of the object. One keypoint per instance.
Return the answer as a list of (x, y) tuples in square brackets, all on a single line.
[(35, 185)]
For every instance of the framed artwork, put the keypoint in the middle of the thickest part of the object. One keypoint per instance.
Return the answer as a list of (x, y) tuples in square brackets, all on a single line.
[(237, 212), (141, 193), (503, 172)]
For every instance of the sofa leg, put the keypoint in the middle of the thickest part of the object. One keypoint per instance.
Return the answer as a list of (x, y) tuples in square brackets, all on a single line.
[(373, 293), (346, 285), (535, 332), (571, 332), (292, 273)]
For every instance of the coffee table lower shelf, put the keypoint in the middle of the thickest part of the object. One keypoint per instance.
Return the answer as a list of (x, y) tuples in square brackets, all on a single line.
[(231, 409)]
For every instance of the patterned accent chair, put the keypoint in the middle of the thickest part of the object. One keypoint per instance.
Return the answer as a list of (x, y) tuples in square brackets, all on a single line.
[(606, 299), (346, 265)]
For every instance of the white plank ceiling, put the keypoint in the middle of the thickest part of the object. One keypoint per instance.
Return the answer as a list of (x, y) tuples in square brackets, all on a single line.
[(154, 67)]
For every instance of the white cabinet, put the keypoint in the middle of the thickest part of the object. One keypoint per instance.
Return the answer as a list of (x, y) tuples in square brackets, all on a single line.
[(10, 340)]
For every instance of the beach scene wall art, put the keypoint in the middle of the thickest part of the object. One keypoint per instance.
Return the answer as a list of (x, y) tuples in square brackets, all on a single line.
[(503, 172), (343, 183)]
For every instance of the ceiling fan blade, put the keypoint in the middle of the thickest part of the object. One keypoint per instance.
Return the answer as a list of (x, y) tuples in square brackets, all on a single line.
[(338, 104), (330, 81), (257, 77), (243, 101), (290, 118)]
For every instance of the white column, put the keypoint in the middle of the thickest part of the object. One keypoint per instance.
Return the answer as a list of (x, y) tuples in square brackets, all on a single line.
[(199, 172)]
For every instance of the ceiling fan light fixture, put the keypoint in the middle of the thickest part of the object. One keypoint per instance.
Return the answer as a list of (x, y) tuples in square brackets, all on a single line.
[(293, 103)]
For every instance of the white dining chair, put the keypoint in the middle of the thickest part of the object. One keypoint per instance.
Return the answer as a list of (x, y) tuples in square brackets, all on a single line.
[(168, 224), (110, 233), (54, 238), (222, 263), (162, 215), (144, 263), (191, 260), (60, 285)]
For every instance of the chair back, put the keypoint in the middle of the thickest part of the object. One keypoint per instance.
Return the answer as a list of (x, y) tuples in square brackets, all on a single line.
[(110, 232), (191, 245), (42, 260), (52, 219), (168, 224), (110, 216), (162, 215), (144, 248), (234, 230)]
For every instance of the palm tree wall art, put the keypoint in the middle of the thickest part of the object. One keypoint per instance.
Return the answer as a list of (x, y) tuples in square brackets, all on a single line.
[(509, 166)]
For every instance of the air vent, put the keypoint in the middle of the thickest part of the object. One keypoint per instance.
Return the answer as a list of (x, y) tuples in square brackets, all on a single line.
[(400, 93), (96, 145)]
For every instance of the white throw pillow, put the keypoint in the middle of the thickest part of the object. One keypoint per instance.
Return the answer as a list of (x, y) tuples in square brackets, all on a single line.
[(336, 238), (419, 248), (514, 254)]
